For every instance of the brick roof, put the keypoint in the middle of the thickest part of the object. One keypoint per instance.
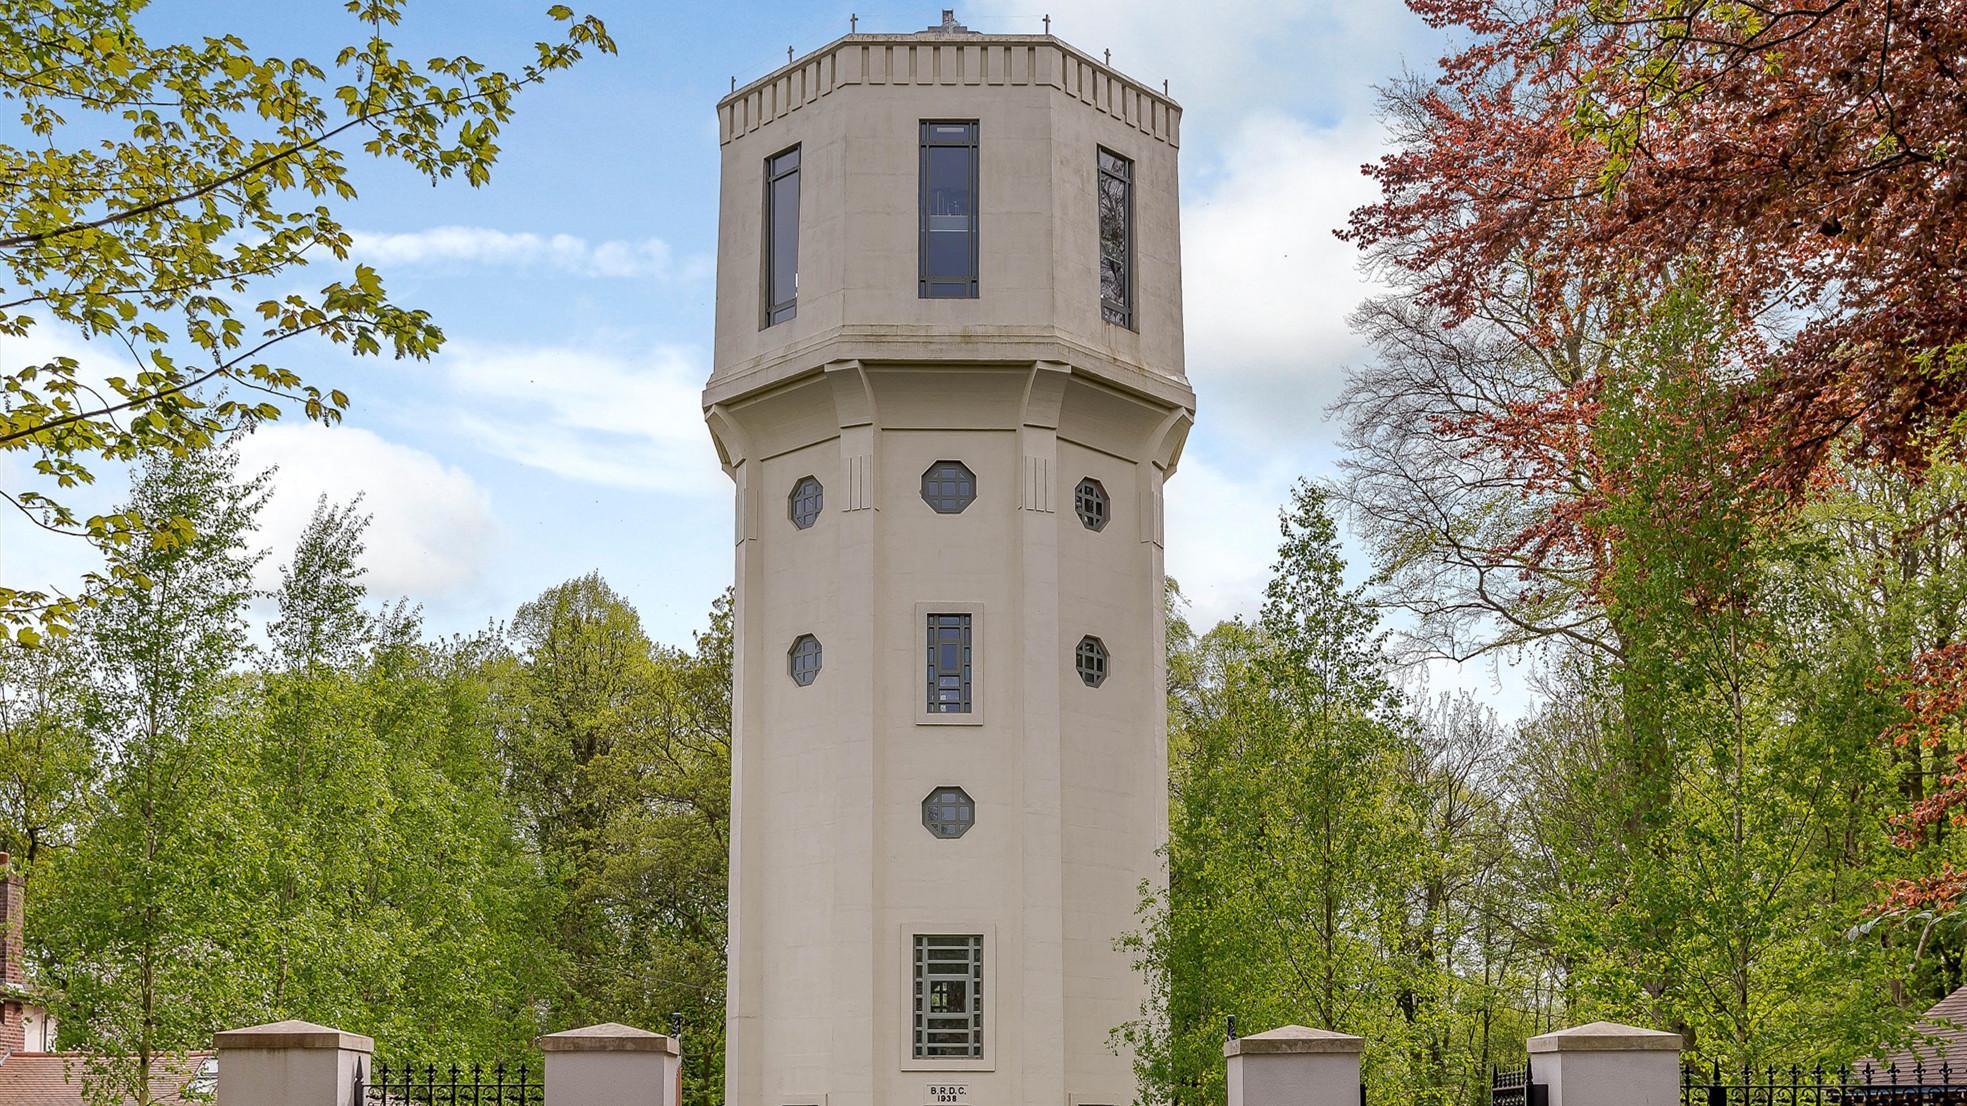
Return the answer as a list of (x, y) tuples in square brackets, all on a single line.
[(1943, 1033), (55, 1079)]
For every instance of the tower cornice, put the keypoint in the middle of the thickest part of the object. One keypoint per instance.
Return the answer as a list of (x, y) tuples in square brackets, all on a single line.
[(931, 58), (888, 344)]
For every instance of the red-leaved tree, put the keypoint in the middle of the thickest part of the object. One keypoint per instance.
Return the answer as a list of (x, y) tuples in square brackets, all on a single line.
[(1806, 153), (1801, 159)]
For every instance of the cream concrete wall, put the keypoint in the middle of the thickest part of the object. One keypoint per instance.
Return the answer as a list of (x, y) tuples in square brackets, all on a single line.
[(832, 871)]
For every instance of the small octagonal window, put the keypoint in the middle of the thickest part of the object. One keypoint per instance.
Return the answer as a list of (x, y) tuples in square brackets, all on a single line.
[(949, 812), (804, 502), (802, 661), (949, 486), (1089, 499), (1090, 660)]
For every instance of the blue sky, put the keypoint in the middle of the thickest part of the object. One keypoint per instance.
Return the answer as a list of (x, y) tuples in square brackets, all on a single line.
[(559, 431)]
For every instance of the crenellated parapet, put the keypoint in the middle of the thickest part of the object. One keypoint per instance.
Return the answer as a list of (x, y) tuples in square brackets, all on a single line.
[(860, 61)]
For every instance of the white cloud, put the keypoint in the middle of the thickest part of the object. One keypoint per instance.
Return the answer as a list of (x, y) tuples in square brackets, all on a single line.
[(592, 415), (432, 528), (561, 253), (1268, 285), (1222, 536), (1232, 55)]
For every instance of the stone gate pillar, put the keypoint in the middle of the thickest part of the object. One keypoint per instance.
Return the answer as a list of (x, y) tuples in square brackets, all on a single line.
[(290, 1063), (1294, 1066), (1607, 1064), (612, 1065)]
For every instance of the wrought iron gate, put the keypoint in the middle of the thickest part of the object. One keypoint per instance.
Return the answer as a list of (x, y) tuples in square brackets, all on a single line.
[(1514, 1087), (455, 1085)]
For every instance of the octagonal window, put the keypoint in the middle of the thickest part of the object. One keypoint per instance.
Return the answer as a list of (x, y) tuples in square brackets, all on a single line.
[(1090, 500), (949, 812), (1090, 660), (803, 503), (948, 487), (802, 661)]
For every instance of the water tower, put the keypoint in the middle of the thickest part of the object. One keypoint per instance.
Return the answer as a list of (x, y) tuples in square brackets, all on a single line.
[(948, 387)]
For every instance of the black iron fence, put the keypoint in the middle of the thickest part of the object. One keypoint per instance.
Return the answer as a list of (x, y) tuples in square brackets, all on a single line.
[(1513, 1087), (1865, 1085), (431, 1085)]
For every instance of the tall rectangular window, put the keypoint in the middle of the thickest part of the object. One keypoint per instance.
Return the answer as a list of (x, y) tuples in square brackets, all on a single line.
[(1116, 238), (948, 251), (948, 997), (949, 664), (781, 236)]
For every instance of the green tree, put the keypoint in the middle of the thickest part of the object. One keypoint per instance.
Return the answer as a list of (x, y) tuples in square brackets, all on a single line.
[(138, 919), (1291, 837), (393, 890), (322, 834), (164, 181), (1460, 1004), (618, 757), (1887, 586), (48, 761), (1729, 878)]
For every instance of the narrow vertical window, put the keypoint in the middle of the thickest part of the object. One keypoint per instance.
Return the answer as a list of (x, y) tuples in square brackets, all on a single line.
[(1116, 239), (948, 266), (950, 664), (781, 236), (948, 996)]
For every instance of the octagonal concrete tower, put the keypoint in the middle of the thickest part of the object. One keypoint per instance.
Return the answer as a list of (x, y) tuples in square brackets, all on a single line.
[(949, 388)]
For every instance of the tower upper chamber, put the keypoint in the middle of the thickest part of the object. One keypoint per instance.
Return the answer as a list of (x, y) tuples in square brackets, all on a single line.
[(854, 111)]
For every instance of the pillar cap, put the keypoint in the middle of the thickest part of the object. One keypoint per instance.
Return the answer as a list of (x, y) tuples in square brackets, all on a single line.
[(607, 1037), (1606, 1037), (292, 1034), (1293, 1039)]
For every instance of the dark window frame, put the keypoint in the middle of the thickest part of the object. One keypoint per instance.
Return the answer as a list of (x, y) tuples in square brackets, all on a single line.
[(948, 812), (784, 164), (804, 508), (1092, 661), (950, 688), (1121, 311), (953, 286), (950, 1033), (796, 657), (1092, 504), (945, 492)]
